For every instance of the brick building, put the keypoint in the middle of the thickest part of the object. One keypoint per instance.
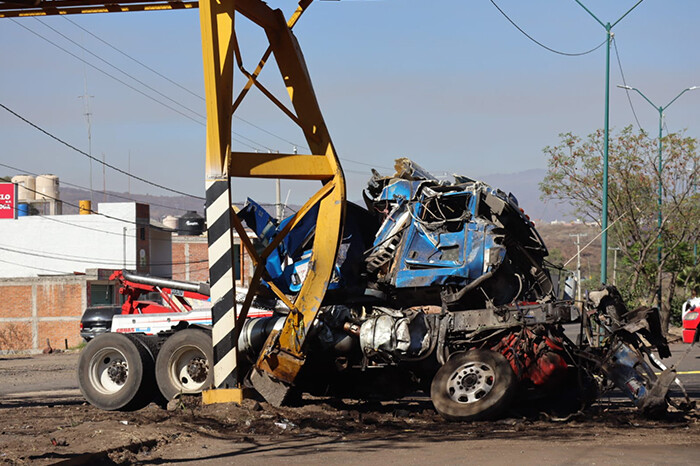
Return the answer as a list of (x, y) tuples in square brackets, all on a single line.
[(190, 262), (36, 309), (54, 267)]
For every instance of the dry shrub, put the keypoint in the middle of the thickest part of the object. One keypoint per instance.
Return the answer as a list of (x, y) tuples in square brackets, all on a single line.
[(15, 337)]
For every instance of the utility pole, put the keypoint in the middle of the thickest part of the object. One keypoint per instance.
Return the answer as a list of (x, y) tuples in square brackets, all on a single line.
[(86, 101), (124, 246), (278, 197), (604, 217), (128, 178), (104, 179), (578, 264), (695, 194)]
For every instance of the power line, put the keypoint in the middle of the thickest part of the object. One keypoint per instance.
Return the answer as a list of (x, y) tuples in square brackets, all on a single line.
[(107, 74), (181, 86), (124, 172), (20, 170), (260, 128), (133, 88), (67, 257), (163, 95), (132, 58), (666, 126), (53, 218), (629, 98), (195, 112), (188, 91), (120, 70), (540, 43), (37, 268), (168, 230)]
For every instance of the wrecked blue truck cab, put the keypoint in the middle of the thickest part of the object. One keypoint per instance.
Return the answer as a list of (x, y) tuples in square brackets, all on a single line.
[(442, 286), (420, 241), (453, 238)]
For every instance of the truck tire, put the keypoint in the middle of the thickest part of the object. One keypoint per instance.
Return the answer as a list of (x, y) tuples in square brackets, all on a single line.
[(475, 385), (115, 373), (185, 363)]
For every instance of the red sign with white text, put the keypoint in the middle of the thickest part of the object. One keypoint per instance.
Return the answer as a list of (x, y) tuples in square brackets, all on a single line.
[(8, 200)]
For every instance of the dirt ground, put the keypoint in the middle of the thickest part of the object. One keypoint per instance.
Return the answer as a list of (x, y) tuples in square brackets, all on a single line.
[(50, 426)]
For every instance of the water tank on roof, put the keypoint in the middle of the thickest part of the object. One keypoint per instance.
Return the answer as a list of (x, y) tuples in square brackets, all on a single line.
[(191, 224), (26, 185), (170, 221), (47, 187)]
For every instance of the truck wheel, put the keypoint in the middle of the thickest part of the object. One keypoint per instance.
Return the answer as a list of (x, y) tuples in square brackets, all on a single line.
[(115, 373), (185, 363), (475, 385)]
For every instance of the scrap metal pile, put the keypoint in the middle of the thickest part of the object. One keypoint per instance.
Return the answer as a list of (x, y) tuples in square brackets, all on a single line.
[(442, 287)]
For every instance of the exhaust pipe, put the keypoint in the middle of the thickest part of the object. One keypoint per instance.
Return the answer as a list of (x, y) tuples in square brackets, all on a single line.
[(255, 332)]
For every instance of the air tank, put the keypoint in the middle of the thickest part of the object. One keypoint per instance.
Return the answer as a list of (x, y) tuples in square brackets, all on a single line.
[(26, 185), (47, 187), (191, 224)]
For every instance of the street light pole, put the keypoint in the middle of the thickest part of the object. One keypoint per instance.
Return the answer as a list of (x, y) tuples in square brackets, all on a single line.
[(695, 195), (661, 110), (604, 217)]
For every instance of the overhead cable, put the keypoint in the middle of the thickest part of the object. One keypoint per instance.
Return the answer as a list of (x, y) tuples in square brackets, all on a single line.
[(241, 136), (540, 43), (37, 268), (111, 194), (147, 86), (53, 218), (624, 81), (180, 85), (139, 224), (132, 58), (133, 88), (124, 172), (86, 260), (198, 96)]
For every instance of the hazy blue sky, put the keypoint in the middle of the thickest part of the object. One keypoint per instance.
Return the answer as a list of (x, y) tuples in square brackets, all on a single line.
[(451, 84)]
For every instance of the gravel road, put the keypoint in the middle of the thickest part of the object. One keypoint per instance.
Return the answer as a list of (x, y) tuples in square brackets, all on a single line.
[(44, 420)]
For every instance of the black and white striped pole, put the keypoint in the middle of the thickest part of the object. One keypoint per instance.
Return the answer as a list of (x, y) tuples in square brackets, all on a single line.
[(217, 21), (222, 282)]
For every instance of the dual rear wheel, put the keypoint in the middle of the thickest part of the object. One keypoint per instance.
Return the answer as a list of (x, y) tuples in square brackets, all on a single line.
[(123, 372)]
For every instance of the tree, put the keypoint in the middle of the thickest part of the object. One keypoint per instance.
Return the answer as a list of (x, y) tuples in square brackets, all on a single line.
[(575, 175)]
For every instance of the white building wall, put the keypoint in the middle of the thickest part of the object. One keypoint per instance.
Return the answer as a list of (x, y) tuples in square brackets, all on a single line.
[(50, 245), (161, 253)]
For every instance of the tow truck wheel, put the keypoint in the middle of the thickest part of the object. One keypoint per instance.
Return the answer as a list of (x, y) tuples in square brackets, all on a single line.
[(115, 373), (185, 363), (475, 385)]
